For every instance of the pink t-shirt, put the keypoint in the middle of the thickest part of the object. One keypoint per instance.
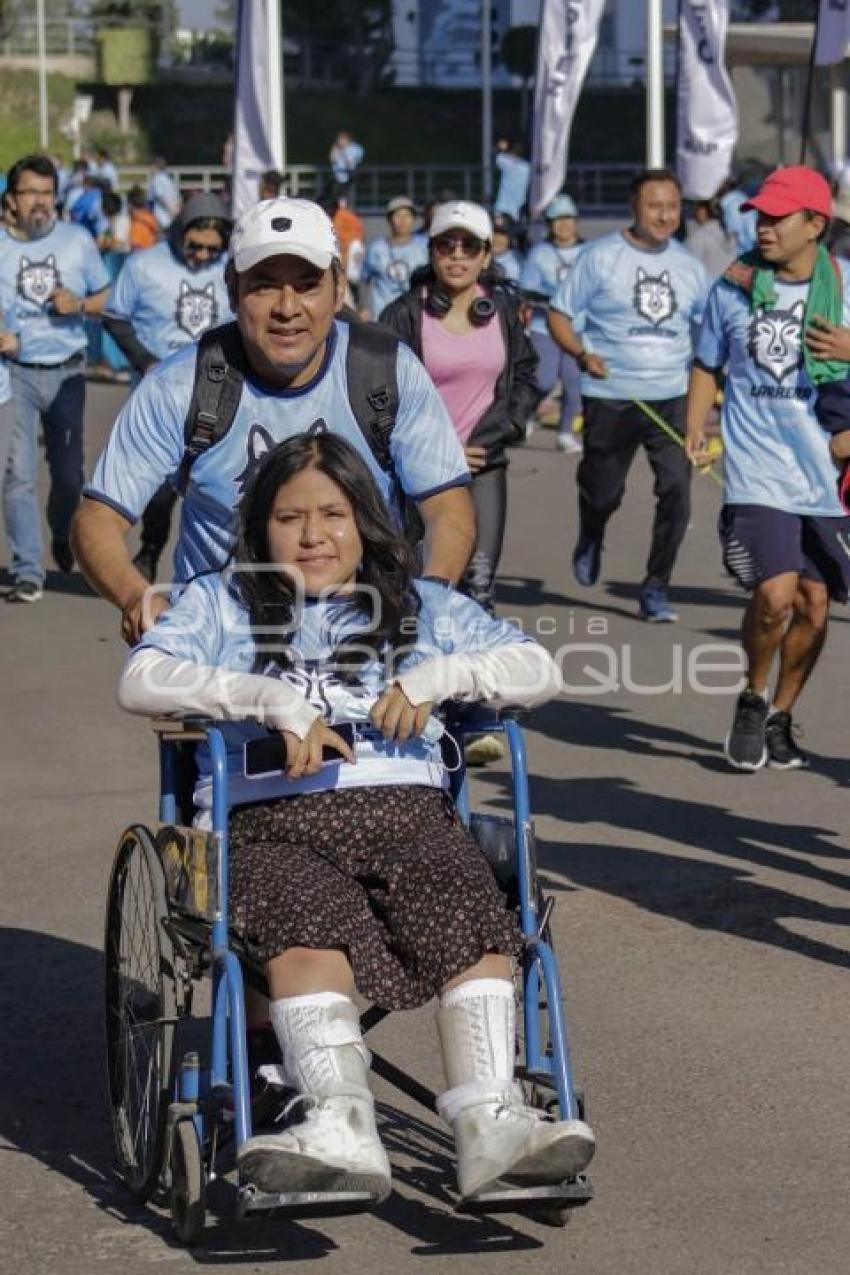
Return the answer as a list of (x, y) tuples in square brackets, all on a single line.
[(464, 368)]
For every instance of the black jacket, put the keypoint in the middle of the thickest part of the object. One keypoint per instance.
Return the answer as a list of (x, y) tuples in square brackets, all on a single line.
[(516, 394)]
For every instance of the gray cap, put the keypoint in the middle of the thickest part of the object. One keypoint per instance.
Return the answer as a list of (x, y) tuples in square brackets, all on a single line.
[(398, 202), (201, 206)]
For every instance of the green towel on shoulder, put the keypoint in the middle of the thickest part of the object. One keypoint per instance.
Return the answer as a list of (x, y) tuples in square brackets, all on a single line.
[(825, 300)]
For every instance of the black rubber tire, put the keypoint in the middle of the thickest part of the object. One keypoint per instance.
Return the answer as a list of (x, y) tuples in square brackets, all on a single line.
[(188, 1184), (141, 1009)]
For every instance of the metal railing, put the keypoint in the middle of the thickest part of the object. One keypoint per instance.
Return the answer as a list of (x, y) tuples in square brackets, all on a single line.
[(64, 37), (595, 187)]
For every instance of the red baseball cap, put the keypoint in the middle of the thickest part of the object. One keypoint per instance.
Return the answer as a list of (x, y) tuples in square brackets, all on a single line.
[(793, 189)]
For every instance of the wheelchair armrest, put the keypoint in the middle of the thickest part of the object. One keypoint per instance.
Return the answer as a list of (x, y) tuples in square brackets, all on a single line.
[(477, 716), (181, 729)]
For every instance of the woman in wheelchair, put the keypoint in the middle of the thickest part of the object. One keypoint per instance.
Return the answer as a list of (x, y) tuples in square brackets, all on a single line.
[(349, 866)]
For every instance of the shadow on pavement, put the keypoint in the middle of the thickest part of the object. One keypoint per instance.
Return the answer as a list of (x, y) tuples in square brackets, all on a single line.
[(53, 1109), (708, 895), (56, 582)]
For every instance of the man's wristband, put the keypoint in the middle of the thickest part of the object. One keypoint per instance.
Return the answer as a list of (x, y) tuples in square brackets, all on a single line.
[(81, 308)]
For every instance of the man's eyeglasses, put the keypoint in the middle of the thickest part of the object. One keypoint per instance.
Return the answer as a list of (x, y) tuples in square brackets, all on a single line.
[(446, 245)]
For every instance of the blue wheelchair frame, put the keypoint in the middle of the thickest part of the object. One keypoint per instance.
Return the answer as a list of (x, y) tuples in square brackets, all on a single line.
[(547, 1064)]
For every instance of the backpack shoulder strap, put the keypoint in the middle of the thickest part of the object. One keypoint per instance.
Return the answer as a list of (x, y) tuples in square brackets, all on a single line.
[(373, 385), (216, 393)]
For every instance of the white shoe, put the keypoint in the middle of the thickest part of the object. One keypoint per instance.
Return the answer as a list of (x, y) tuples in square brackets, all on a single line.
[(503, 1142), (483, 749), (568, 443), (335, 1148)]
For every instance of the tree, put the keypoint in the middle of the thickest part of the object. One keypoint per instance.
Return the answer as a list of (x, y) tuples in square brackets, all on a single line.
[(363, 30), (518, 54)]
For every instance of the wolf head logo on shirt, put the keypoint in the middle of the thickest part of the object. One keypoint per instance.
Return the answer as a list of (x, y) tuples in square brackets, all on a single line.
[(260, 443), (775, 341), (197, 309), (654, 298), (398, 271), (38, 280)]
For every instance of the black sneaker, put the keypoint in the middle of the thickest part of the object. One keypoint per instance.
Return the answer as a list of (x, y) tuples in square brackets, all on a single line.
[(146, 562), (25, 591), (745, 745), (62, 555), (782, 750), (587, 559)]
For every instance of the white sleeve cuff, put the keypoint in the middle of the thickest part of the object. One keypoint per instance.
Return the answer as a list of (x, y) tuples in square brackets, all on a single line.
[(519, 674)]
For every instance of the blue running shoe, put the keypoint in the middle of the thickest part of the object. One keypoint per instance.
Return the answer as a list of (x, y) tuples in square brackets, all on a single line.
[(587, 558), (655, 605)]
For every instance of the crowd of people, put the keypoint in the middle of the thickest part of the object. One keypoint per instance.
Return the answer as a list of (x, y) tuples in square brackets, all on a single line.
[(320, 459)]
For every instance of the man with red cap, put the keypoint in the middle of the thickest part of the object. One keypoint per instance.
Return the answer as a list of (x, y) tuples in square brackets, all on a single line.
[(779, 322)]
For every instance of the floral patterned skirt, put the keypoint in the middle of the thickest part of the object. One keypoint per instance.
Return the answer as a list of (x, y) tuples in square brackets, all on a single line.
[(388, 875)]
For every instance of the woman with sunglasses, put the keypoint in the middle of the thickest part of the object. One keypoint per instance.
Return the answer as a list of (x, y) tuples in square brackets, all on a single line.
[(164, 298), (462, 320)]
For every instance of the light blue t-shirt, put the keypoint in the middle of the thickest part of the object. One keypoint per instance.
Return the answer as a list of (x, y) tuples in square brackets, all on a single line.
[(346, 159), (514, 177), (511, 263), (546, 267), (168, 304), (741, 225), (147, 445), (10, 324), (388, 268), (209, 626), (164, 197), (775, 452), (637, 309), (66, 258)]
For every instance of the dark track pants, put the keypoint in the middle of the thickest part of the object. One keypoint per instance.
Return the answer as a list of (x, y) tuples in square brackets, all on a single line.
[(490, 496), (614, 429)]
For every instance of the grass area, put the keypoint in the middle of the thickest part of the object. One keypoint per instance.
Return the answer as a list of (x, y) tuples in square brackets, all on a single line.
[(188, 122)]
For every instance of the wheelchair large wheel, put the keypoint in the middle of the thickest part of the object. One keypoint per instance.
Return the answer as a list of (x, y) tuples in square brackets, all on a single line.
[(141, 1010)]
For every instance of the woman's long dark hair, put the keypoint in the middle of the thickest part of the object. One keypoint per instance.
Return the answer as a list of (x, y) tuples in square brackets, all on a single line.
[(388, 565)]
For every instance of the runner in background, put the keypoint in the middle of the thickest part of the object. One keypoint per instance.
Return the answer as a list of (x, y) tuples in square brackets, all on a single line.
[(514, 178), (546, 267), (780, 330), (390, 262), (626, 313), (505, 255)]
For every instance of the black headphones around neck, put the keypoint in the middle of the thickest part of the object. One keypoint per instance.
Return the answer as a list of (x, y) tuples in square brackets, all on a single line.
[(438, 303)]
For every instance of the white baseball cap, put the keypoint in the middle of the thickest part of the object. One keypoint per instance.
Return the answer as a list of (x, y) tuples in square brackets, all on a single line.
[(276, 227), (461, 215)]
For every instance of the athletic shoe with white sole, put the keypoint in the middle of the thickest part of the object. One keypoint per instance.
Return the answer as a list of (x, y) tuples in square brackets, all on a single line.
[(782, 750), (746, 745), (25, 591), (334, 1148), (483, 749), (655, 606), (569, 443), (503, 1142)]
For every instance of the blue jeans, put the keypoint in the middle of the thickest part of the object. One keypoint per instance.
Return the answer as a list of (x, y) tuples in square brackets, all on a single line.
[(56, 397), (554, 364)]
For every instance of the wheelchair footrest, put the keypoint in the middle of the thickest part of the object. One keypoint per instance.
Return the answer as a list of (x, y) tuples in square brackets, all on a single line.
[(530, 1199), (302, 1203)]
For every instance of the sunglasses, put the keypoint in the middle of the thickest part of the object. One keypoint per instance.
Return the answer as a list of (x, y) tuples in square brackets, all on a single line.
[(445, 245), (195, 249)]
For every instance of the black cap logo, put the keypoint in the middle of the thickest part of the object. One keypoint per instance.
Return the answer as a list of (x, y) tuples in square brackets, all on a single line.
[(281, 224)]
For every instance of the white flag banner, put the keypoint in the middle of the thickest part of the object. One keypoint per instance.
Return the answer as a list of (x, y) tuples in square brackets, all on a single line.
[(258, 122), (707, 119), (833, 32), (568, 34)]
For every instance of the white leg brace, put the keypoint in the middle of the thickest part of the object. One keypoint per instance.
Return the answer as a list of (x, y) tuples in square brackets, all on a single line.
[(477, 1026), (322, 1045)]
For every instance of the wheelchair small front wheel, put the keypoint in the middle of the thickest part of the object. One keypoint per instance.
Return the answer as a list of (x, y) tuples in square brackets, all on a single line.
[(188, 1184), (141, 1010)]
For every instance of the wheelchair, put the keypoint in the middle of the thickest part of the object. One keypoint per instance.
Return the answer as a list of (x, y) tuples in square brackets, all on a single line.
[(181, 1103)]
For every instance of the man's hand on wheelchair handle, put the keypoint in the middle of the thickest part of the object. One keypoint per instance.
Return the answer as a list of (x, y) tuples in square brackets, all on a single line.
[(304, 756), (396, 717)]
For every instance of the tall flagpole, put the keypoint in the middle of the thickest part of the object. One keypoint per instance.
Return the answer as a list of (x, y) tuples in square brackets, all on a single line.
[(277, 132), (654, 84), (486, 101), (42, 76)]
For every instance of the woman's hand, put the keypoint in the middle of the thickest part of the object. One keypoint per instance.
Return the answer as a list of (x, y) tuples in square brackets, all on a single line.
[(476, 458), (8, 342), (828, 340), (395, 716), (304, 756)]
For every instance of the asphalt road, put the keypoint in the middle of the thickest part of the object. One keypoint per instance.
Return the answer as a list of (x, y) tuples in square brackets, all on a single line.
[(702, 921)]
